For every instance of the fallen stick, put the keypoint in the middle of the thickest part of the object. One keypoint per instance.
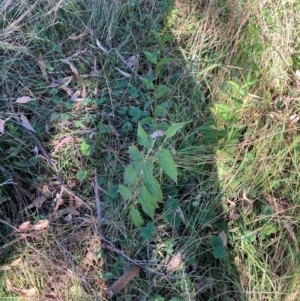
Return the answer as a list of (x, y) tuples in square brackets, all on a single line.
[(122, 281)]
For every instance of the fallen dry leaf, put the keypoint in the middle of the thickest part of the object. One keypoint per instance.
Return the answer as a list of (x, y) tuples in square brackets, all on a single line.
[(41, 225), (101, 47), (42, 67), (38, 202), (223, 236), (61, 82), (72, 66), (23, 99), (73, 211), (233, 211), (29, 292), (73, 37), (75, 95), (174, 263), (83, 92), (11, 265), (2, 125), (158, 134), (67, 90), (90, 257), (249, 202), (62, 142), (26, 124), (46, 191), (25, 227), (133, 62), (124, 73)]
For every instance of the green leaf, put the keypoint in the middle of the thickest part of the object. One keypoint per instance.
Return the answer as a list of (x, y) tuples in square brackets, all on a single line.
[(134, 92), (130, 175), (147, 201), (143, 138), (135, 154), (172, 130), (170, 214), (151, 56), (162, 63), (113, 191), (81, 175), (125, 192), (216, 241), (167, 163), (150, 182), (156, 297), (136, 113), (219, 252), (136, 217), (206, 216), (85, 148), (148, 231), (160, 111), (157, 36), (138, 166), (161, 91), (148, 82)]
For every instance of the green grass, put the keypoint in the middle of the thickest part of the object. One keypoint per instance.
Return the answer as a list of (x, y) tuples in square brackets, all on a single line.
[(231, 78)]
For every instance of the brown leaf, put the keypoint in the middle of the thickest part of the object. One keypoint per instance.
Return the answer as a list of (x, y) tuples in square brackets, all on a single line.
[(83, 92), (25, 227), (46, 191), (11, 265), (75, 95), (233, 211), (90, 257), (26, 124), (67, 90), (38, 202), (23, 99), (62, 142), (223, 236), (61, 82), (133, 61), (41, 225), (73, 37), (249, 202), (42, 67), (29, 292), (73, 211), (72, 66), (174, 263)]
